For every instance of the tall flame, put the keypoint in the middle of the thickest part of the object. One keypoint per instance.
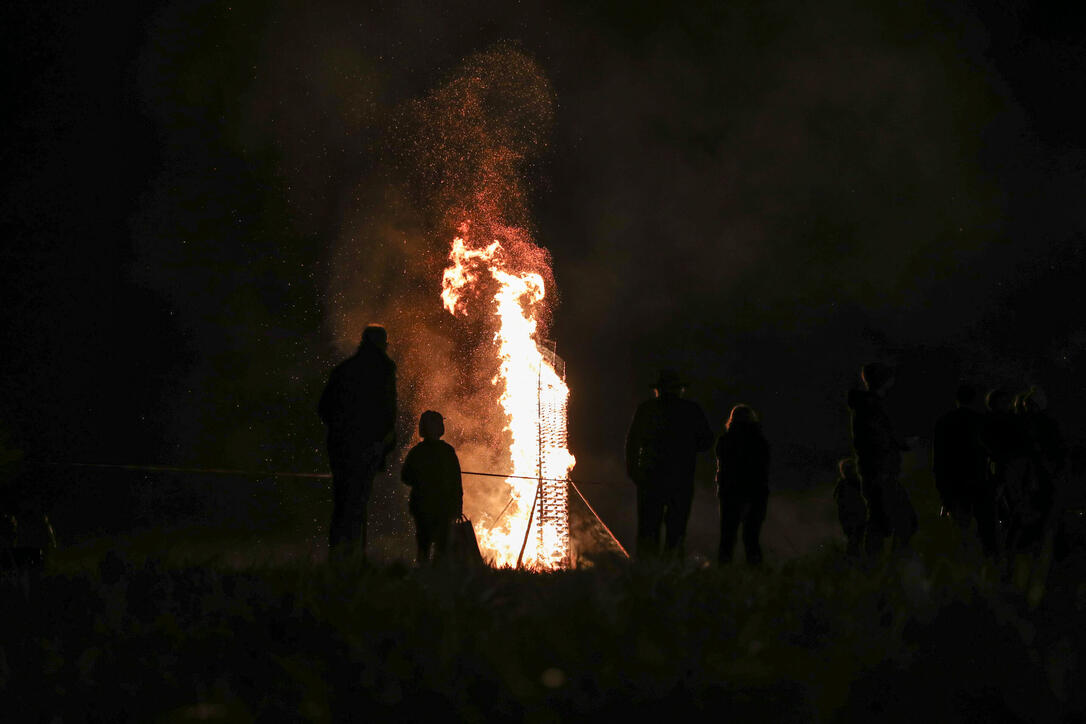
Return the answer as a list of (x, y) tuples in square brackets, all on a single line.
[(533, 397)]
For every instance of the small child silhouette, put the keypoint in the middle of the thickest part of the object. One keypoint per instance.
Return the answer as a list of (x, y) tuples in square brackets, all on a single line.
[(851, 507), (432, 470)]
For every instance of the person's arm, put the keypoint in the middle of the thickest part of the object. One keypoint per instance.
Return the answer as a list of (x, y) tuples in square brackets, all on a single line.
[(634, 440), (721, 457), (703, 434), (765, 459), (327, 404), (407, 473), (1057, 448), (389, 421), (937, 454), (459, 483)]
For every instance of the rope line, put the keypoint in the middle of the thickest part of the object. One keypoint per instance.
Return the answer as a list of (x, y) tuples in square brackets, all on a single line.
[(592, 510), (198, 471), (279, 474), (326, 476)]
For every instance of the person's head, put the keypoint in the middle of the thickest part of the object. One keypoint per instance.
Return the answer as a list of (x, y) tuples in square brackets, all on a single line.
[(741, 415), (375, 335), (1038, 397), (877, 376), (966, 394), (998, 400), (847, 467), (668, 384), (431, 425), (1032, 400)]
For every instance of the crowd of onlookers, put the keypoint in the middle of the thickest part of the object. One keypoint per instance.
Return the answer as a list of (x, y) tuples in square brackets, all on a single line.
[(999, 462), (997, 465)]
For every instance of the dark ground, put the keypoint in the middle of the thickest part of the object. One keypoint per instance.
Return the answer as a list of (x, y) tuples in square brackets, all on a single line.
[(202, 616)]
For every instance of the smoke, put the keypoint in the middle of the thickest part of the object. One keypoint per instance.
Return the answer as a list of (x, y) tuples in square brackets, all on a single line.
[(763, 196), (458, 166)]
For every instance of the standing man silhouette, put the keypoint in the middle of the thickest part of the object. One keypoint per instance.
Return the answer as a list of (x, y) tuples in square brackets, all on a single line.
[(890, 513), (960, 465), (359, 408), (662, 445)]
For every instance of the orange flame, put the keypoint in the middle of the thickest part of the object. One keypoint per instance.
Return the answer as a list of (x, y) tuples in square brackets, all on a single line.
[(533, 397)]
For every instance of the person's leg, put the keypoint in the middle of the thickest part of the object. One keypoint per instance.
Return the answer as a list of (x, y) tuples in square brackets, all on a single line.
[(899, 512), (984, 510), (442, 531), (854, 540), (335, 526), (355, 513), (650, 516), (877, 527), (730, 514), (363, 523), (422, 542), (354, 523), (752, 526), (340, 530), (676, 518), (958, 507), (1018, 480)]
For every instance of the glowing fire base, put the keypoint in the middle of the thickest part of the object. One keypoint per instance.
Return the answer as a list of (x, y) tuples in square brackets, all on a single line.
[(533, 397)]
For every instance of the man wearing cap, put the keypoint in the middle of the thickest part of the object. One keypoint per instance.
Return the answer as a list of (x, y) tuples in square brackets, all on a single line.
[(662, 445), (359, 407)]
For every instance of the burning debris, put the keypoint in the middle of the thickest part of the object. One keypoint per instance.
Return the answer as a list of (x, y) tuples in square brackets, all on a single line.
[(533, 396)]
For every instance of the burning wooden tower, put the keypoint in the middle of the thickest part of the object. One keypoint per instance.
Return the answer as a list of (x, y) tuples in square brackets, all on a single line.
[(552, 498)]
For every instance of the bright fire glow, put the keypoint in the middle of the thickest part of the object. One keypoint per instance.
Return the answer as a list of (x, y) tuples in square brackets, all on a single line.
[(533, 397)]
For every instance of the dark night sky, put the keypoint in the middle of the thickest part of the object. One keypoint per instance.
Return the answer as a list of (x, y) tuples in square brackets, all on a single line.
[(763, 195)]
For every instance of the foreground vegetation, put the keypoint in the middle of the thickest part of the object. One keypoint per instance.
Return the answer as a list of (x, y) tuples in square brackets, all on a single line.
[(115, 636), (192, 604)]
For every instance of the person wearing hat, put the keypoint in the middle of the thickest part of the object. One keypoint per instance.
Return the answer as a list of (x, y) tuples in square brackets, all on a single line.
[(358, 406), (878, 457), (662, 444)]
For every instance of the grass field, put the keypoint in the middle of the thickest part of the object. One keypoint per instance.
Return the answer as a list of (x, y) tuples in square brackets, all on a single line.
[(194, 621), (817, 639)]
